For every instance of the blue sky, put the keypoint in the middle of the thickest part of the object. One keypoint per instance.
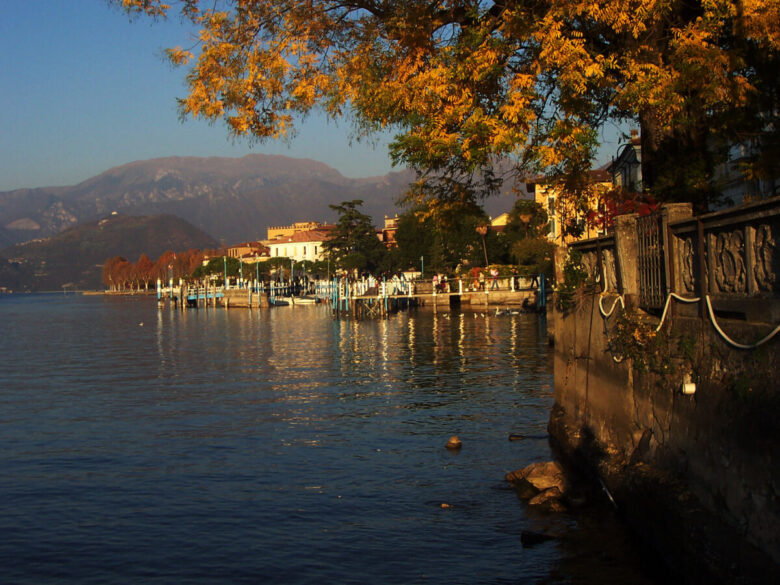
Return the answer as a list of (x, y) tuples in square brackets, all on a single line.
[(83, 89)]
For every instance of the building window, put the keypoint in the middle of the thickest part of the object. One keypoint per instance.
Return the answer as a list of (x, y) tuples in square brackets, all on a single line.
[(551, 206), (315, 250), (304, 251)]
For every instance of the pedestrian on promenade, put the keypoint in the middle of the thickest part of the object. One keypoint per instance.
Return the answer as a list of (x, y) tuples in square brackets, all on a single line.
[(494, 278)]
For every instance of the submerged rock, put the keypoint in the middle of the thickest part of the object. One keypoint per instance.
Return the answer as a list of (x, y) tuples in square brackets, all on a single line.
[(531, 538), (454, 443)]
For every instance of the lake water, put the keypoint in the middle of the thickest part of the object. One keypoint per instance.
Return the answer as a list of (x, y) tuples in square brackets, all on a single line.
[(278, 446)]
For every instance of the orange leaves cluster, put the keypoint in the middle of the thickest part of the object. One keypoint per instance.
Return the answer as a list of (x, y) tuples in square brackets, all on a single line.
[(467, 80)]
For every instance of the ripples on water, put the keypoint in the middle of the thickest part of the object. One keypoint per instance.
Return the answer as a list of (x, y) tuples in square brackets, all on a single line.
[(279, 446)]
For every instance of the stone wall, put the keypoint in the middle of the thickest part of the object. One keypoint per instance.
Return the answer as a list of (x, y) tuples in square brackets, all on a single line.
[(697, 475)]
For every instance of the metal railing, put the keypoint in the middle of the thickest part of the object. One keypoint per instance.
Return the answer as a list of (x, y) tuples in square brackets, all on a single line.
[(651, 261)]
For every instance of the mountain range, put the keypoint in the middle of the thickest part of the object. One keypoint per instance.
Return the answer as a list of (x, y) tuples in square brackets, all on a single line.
[(75, 256), (232, 199), (216, 200)]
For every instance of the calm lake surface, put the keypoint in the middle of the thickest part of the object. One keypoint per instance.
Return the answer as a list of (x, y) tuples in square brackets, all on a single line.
[(278, 446)]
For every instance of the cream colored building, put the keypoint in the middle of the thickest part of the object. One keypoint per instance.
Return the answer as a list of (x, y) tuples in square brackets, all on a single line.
[(285, 231), (561, 213), (247, 251), (299, 245)]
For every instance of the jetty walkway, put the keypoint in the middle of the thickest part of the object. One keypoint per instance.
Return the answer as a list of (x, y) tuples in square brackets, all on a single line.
[(359, 299)]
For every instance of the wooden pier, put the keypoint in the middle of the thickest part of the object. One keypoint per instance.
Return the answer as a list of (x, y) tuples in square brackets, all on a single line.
[(376, 302), (364, 299)]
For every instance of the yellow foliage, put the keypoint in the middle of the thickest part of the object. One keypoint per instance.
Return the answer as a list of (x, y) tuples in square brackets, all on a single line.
[(465, 79)]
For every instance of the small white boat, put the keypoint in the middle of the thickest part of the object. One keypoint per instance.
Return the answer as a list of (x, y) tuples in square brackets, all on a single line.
[(304, 300)]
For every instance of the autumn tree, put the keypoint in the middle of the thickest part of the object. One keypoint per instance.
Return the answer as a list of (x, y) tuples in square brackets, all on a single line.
[(465, 82), (526, 237), (114, 273), (144, 268), (527, 219), (163, 267)]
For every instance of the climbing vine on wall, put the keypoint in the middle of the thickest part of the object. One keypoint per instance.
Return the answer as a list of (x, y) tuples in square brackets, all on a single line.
[(574, 278), (633, 336)]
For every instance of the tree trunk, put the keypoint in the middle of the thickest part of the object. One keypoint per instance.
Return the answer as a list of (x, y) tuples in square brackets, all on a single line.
[(649, 141)]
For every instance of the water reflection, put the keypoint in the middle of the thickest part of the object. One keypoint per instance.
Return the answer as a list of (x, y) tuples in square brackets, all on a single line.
[(186, 449)]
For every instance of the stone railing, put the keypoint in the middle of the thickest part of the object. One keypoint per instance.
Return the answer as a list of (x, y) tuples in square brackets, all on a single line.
[(730, 256), (599, 258)]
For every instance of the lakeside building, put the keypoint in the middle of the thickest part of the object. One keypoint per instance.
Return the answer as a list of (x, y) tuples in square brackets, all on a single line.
[(730, 180), (285, 231), (249, 252), (568, 224), (728, 176), (498, 224), (387, 234), (626, 168), (300, 245)]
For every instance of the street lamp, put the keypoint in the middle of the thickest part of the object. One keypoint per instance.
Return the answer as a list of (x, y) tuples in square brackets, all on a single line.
[(482, 230), (526, 219)]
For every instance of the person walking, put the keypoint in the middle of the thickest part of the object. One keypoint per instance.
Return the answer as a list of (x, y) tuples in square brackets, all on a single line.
[(494, 278)]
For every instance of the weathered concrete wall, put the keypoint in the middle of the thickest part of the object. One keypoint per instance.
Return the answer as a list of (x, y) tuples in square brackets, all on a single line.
[(698, 476)]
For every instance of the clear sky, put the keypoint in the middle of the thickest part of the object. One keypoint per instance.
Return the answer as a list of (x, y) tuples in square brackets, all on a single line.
[(84, 89)]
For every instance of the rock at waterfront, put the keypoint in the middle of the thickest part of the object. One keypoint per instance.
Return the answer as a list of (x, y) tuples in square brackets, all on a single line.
[(549, 499), (541, 476), (541, 484)]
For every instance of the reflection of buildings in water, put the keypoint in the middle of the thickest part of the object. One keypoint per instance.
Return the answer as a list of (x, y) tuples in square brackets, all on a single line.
[(462, 342), (384, 335), (436, 339), (411, 338)]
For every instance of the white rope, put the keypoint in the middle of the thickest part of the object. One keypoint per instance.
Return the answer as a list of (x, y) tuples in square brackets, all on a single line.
[(605, 315), (668, 301), (731, 341), (618, 299)]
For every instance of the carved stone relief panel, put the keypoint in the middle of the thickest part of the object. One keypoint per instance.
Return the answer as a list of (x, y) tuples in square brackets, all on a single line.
[(590, 264), (764, 258), (687, 266), (608, 259), (730, 275)]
